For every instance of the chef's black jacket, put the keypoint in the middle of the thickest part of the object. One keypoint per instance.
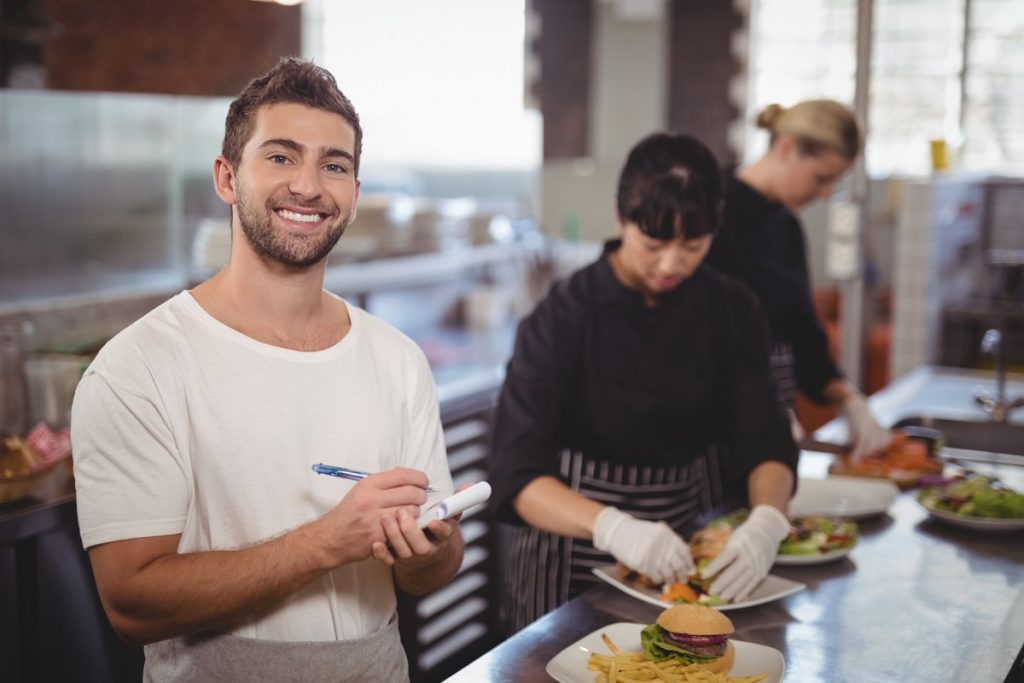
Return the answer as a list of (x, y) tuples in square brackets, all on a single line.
[(596, 369), (761, 242)]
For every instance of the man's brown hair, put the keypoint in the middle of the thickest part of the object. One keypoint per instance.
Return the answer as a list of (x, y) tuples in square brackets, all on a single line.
[(291, 81)]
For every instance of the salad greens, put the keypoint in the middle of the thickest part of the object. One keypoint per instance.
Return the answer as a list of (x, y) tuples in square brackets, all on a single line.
[(818, 536), (974, 496), (808, 535), (657, 647)]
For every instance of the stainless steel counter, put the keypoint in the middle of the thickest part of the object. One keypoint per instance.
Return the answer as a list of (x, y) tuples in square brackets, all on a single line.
[(938, 391), (915, 601)]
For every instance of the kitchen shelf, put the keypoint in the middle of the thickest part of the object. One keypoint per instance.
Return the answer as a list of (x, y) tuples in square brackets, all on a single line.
[(402, 272)]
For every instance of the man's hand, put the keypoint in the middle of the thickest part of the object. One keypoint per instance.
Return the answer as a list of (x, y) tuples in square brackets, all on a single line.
[(651, 548), (749, 554), (152, 592), (423, 559), (355, 526), (407, 543)]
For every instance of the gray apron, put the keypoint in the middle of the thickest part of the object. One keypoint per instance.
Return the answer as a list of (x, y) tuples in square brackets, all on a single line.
[(546, 570), (378, 657)]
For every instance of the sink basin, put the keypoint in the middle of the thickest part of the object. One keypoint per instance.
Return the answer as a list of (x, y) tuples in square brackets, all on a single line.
[(993, 437)]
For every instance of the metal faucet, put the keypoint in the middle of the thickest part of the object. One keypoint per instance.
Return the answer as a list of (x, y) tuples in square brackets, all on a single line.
[(997, 407)]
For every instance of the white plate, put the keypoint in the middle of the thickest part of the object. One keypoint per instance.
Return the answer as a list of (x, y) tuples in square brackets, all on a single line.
[(772, 588), (847, 497), (818, 558), (570, 665), (976, 523)]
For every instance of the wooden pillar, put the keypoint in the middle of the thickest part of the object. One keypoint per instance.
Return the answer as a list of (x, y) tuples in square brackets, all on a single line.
[(701, 69)]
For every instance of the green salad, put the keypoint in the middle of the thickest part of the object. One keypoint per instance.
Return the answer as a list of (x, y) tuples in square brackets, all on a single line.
[(818, 536), (974, 496), (808, 535)]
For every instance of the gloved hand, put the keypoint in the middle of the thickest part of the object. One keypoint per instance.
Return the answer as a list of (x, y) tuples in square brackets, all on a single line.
[(651, 548), (867, 435), (749, 554)]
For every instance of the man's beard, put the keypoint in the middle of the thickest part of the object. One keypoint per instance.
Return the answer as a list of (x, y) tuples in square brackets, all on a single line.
[(297, 251)]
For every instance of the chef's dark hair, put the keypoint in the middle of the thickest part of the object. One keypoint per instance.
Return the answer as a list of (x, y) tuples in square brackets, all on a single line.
[(291, 81), (670, 185)]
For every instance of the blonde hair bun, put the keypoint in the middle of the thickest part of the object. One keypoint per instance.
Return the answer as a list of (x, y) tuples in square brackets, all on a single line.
[(769, 117), (816, 125)]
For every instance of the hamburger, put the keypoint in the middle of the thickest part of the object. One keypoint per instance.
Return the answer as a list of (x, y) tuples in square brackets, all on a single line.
[(705, 546), (691, 634), (708, 543)]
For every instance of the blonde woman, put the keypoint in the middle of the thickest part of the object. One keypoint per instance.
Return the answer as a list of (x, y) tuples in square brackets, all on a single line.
[(761, 241)]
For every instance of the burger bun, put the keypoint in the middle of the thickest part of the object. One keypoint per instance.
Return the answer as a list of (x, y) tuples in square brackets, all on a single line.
[(695, 620)]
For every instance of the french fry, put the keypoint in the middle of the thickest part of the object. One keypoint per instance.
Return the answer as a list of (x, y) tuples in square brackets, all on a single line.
[(632, 667)]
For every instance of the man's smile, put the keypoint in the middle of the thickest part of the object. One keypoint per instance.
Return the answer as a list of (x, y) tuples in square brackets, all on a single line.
[(300, 217)]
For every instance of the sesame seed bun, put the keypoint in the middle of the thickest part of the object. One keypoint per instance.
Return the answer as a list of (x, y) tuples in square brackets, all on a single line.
[(696, 620)]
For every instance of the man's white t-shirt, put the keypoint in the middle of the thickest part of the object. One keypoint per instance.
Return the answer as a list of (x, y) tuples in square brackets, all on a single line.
[(182, 425)]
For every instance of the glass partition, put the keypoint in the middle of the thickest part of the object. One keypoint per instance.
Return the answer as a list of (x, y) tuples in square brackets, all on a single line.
[(97, 191)]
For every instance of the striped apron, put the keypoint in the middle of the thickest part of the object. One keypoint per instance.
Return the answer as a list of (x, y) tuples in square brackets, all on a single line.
[(784, 372), (546, 570)]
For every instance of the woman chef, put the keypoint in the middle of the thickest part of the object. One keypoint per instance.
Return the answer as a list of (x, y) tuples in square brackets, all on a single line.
[(640, 395), (761, 242)]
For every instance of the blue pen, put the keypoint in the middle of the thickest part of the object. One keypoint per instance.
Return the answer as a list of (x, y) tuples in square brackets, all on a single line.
[(347, 473)]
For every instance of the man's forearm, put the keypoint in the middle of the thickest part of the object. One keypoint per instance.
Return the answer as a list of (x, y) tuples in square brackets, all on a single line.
[(177, 594), (151, 592), (421, 576)]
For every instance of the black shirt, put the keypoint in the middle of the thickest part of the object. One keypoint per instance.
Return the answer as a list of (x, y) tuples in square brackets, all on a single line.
[(761, 242), (598, 370)]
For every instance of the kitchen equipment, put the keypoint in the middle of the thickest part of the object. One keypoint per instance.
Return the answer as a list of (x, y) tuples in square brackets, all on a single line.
[(809, 443), (211, 246), (488, 307), (12, 383), (52, 380), (1006, 276)]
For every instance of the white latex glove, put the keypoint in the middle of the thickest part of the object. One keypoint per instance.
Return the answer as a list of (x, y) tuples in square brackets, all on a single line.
[(651, 548), (749, 554), (866, 434)]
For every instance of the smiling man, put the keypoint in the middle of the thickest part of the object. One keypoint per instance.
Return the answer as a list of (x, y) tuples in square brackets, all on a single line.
[(212, 541)]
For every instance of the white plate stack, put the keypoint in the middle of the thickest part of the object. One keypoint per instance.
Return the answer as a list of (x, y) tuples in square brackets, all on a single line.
[(211, 246), (368, 234)]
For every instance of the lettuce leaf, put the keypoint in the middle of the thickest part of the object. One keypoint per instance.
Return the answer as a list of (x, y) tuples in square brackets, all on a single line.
[(656, 648)]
